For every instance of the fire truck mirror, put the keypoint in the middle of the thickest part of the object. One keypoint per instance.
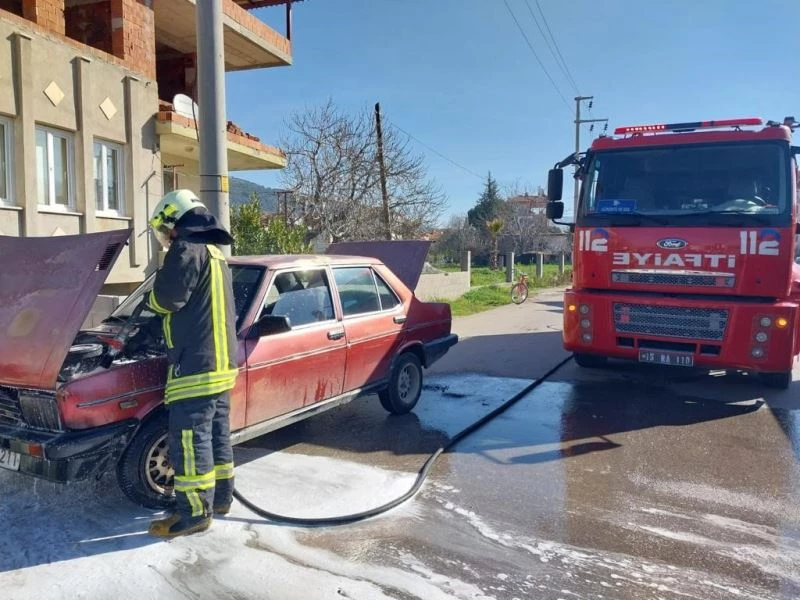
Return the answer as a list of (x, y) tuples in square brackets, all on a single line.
[(555, 184), (554, 210)]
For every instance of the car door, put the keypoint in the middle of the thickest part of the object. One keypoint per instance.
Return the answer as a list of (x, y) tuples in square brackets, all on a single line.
[(373, 319), (292, 369)]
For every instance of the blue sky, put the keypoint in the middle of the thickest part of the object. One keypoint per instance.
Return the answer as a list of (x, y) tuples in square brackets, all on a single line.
[(458, 75)]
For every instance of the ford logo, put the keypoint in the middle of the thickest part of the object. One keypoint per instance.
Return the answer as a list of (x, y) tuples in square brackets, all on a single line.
[(672, 243)]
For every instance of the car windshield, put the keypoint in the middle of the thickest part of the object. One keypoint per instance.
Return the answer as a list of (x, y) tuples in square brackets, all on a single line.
[(246, 281), (691, 184)]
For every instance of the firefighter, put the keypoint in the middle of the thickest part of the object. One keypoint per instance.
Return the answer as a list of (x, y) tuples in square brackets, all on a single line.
[(193, 294)]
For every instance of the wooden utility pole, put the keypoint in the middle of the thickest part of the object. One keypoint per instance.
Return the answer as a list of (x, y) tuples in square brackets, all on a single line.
[(382, 167)]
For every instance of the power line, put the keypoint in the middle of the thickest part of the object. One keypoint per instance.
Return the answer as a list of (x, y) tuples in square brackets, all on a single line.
[(436, 152), (536, 56), (550, 47), (558, 50)]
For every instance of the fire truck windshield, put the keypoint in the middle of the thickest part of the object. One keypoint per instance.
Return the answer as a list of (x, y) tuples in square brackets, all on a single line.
[(690, 185)]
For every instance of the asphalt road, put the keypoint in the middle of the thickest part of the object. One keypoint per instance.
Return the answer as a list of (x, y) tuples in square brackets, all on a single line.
[(625, 482)]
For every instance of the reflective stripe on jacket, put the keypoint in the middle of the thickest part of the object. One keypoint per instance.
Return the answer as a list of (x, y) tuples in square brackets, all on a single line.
[(194, 295)]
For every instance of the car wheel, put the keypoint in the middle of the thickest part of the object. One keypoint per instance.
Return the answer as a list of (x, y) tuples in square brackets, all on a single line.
[(144, 472), (780, 380), (405, 385), (590, 361)]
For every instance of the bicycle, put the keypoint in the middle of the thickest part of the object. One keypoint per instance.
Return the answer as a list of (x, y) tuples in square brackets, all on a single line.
[(519, 291)]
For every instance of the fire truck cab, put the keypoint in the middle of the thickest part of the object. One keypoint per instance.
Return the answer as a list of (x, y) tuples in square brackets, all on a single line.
[(684, 247)]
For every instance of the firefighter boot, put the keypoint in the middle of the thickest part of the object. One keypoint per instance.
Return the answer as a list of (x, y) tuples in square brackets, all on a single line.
[(222, 509), (176, 525)]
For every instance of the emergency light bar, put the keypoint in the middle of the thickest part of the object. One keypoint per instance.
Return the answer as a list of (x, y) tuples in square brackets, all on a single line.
[(688, 126)]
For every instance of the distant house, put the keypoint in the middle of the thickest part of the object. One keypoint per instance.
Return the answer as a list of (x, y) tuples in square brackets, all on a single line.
[(526, 204)]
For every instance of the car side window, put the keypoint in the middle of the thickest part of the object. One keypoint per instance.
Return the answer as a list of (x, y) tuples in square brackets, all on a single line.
[(388, 298), (304, 296), (357, 290)]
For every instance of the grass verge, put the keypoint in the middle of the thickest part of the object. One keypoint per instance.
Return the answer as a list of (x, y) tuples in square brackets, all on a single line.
[(480, 299)]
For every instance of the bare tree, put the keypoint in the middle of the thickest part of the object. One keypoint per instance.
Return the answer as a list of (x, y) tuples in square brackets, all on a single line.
[(333, 168)]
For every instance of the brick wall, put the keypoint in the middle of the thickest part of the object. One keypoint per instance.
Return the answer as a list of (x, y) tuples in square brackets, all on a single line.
[(264, 31), (47, 13), (133, 34)]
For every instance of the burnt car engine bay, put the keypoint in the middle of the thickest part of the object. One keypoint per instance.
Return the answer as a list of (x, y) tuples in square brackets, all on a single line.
[(90, 348)]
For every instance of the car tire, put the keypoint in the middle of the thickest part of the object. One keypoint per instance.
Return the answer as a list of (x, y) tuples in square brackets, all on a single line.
[(780, 380), (405, 385), (143, 471), (590, 361)]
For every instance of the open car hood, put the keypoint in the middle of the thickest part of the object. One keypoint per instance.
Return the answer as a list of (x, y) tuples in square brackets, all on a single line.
[(48, 285), (406, 258)]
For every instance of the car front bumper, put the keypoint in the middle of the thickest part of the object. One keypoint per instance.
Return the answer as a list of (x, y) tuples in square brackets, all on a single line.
[(67, 456)]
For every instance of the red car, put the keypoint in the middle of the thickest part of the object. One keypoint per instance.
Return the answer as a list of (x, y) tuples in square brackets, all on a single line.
[(314, 331)]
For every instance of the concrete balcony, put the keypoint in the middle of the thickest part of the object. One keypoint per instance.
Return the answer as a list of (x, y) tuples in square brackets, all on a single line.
[(178, 138), (249, 42)]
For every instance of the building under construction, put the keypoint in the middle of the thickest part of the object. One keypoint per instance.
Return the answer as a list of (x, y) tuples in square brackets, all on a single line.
[(96, 113)]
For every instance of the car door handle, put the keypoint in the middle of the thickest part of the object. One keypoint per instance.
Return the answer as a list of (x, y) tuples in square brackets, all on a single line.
[(336, 334), (400, 319)]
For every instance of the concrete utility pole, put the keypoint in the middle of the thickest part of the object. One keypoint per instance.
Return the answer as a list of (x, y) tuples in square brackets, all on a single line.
[(214, 183), (382, 167), (578, 122)]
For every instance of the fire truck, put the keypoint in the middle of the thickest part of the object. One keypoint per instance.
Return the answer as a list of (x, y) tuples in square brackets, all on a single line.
[(684, 247)]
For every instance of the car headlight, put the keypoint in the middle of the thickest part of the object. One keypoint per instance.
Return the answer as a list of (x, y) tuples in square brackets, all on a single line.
[(40, 410)]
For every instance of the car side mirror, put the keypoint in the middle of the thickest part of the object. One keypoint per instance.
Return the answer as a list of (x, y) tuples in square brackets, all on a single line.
[(554, 210), (555, 184), (797, 228), (269, 325)]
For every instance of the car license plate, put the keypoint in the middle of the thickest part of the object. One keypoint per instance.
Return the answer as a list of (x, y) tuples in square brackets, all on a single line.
[(9, 460), (672, 359)]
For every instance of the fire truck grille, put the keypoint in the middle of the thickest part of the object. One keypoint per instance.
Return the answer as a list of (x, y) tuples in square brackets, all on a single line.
[(683, 279), (671, 321), (10, 411)]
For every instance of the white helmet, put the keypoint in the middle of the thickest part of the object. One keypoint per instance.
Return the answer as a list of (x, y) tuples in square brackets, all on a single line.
[(168, 212), (171, 208)]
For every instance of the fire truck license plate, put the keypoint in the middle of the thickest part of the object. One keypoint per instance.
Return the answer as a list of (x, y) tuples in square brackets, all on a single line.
[(9, 460), (673, 359)]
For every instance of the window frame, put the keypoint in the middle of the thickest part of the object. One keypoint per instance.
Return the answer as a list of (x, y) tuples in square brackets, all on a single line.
[(8, 130), (328, 278), (375, 274), (106, 145), (50, 192)]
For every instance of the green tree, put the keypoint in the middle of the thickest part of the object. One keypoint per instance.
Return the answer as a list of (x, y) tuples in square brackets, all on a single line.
[(251, 235), (488, 207), (494, 227)]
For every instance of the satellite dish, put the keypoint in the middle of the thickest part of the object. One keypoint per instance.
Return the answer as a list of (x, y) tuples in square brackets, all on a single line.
[(185, 106)]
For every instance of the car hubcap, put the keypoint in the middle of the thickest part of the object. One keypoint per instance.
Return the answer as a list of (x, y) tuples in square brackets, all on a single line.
[(407, 383), (159, 472)]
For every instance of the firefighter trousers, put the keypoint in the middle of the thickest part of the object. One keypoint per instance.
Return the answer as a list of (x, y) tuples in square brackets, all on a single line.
[(200, 451)]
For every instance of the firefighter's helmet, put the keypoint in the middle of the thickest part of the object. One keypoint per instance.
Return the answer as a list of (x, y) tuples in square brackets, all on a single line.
[(171, 208)]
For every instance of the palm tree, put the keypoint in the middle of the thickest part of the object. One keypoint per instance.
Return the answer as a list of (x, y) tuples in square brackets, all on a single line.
[(495, 226)]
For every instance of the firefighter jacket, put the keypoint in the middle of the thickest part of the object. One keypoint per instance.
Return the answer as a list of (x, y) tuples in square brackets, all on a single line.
[(193, 294)]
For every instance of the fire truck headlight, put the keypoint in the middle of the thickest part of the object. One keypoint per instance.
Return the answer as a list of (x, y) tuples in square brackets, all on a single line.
[(761, 337), (587, 337), (757, 352), (766, 321), (584, 308), (586, 323), (781, 322)]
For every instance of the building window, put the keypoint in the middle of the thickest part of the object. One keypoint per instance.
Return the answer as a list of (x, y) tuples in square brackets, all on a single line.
[(6, 163), (170, 179), (54, 169), (108, 178)]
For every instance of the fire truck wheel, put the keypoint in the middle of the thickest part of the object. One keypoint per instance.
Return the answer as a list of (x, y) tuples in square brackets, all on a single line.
[(781, 380), (144, 472), (590, 361)]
